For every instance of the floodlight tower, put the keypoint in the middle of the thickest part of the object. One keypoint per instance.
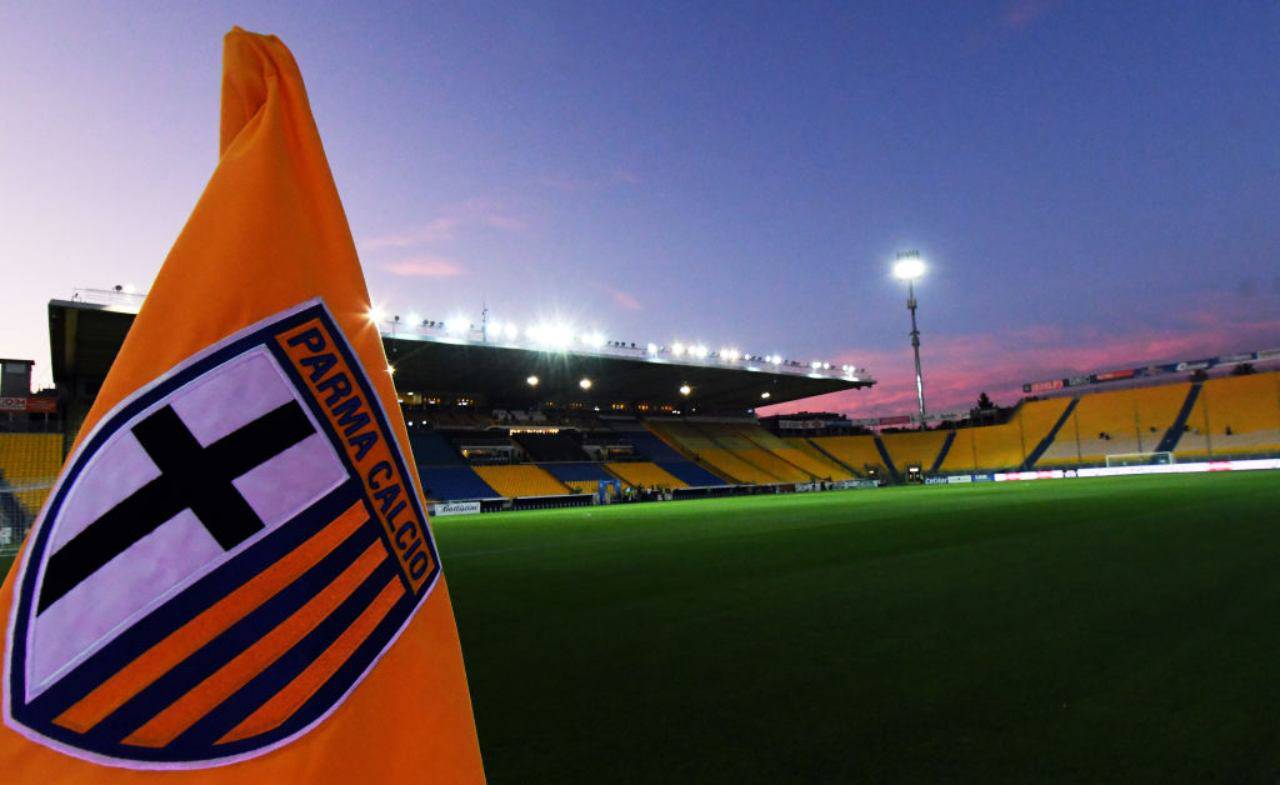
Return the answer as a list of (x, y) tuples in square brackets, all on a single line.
[(909, 267)]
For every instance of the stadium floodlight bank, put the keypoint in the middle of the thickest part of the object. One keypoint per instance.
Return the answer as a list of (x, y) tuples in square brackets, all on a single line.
[(1140, 459)]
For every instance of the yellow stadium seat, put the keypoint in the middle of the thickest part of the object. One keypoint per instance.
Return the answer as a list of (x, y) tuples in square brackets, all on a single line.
[(644, 474), (857, 452), (30, 461), (914, 448), (523, 480), (1116, 422), (803, 454), (1233, 415)]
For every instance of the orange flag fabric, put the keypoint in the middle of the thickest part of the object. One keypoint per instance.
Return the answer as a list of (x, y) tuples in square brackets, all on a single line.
[(234, 579)]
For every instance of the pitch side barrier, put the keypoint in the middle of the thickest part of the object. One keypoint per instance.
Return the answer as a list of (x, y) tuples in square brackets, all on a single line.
[(478, 506), (1190, 467)]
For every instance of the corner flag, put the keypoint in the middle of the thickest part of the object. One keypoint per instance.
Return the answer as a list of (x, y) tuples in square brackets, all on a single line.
[(234, 578)]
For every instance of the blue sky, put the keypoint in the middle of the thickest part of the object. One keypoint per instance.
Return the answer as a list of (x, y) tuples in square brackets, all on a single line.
[(1092, 183)]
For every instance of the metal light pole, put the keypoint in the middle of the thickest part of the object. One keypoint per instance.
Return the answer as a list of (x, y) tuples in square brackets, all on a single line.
[(910, 267)]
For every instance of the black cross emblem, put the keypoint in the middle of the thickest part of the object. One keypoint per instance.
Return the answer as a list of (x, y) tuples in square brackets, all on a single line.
[(191, 477)]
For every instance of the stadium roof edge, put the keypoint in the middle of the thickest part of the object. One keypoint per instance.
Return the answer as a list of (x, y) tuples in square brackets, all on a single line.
[(85, 337)]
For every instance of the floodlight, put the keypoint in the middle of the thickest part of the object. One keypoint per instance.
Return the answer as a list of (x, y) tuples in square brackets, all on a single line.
[(510, 331), (677, 349), (456, 325), (584, 383), (652, 348), (699, 351), (377, 315), (532, 381), (685, 389), (909, 266), (391, 369), (414, 319), (766, 395), (130, 289)]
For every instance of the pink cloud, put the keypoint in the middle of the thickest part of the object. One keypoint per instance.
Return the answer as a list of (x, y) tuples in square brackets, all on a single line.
[(430, 232), (958, 368), (425, 267), (468, 215), (1023, 13), (624, 299)]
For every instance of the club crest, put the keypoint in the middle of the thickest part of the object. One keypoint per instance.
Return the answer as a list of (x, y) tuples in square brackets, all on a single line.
[(225, 557)]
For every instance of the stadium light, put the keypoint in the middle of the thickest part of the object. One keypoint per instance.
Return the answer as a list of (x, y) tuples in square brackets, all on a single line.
[(376, 314), (677, 349), (456, 325), (584, 383), (766, 395), (910, 267), (510, 331), (652, 348), (391, 369), (532, 381), (685, 389), (415, 319)]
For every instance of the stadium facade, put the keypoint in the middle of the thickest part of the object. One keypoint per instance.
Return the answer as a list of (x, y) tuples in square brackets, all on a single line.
[(499, 420)]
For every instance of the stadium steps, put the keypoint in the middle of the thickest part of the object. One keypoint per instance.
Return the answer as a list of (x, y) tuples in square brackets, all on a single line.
[(522, 480), (1045, 443), (1169, 441), (942, 453), (691, 474), (639, 473), (454, 483), (888, 462), (914, 448), (669, 433), (832, 457), (768, 465)]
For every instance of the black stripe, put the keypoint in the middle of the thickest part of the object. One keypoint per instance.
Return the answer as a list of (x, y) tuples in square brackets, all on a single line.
[(261, 688), (193, 601), (192, 477), (187, 674)]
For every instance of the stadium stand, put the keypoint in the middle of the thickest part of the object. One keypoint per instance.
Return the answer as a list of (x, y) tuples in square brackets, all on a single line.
[(818, 469), (652, 475), (521, 480), (29, 464), (575, 472), (1115, 422), (432, 449), (646, 444), (1008, 445), (694, 443), (738, 439), (1233, 416), (546, 447), (859, 453), (914, 448), (454, 483), (803, 454)]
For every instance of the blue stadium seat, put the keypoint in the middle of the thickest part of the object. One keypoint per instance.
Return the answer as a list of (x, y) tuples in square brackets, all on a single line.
[(567, 472), (690, 473), (452, 483), (432, 449), (651, 447)]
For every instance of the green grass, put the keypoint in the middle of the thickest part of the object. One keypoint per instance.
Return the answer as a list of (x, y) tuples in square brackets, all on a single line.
[(1077, 631), (1092, 630)]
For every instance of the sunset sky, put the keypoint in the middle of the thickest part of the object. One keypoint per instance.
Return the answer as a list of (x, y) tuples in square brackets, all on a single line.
[(1091, 183)]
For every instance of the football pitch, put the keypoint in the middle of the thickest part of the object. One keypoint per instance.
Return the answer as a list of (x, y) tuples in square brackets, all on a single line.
[(1117, 630)]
